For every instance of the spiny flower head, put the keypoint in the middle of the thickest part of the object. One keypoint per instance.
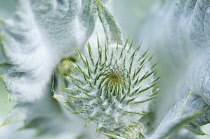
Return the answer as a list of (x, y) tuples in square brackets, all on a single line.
[(111, 86)]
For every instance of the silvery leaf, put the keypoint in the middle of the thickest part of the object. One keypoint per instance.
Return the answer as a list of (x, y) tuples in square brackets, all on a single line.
[(36, 38), (174, 120), (111, 28), (178, 31)]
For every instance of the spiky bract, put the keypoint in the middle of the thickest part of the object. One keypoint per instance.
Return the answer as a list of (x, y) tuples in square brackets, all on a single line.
[(133, 131), (111, 86)]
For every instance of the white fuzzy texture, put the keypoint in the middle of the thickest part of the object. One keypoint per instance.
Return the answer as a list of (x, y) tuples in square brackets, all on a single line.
[(36, 38), (179, 31), (32, 43)]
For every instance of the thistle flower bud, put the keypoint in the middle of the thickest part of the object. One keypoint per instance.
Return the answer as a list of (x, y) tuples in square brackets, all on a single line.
[(110, 87)]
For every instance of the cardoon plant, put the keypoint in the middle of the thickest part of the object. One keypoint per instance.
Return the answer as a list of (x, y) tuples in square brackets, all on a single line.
[(67, 83)]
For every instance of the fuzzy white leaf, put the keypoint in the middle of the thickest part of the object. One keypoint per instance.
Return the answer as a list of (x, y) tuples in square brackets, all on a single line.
[(174, 120), (36, 38), (111, 28), (178, 30)]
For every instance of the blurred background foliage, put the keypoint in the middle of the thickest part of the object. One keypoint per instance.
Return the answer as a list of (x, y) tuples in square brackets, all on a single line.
[(6, 10), (130, 13)]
